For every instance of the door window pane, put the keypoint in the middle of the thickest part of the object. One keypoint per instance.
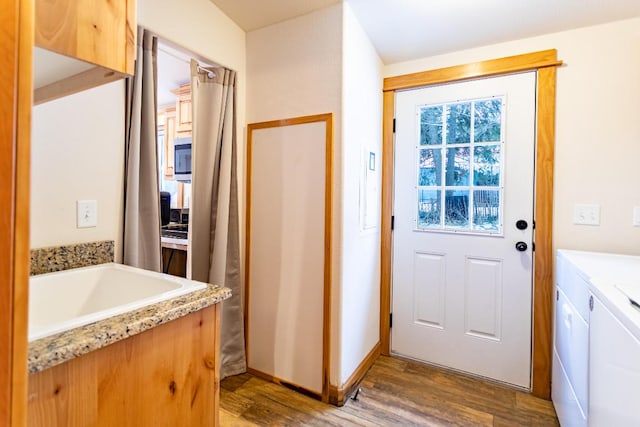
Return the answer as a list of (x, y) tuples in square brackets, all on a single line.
[(430, 167), (428, 208), (488, 120), (486, 210), (431, 125), (486, 165), (456, 214), (459, 123), (458, 161)]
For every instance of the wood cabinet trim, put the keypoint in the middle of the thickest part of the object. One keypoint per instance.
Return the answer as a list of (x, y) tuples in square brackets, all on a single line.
[(16, 47), (88, 79), (545, 63), (131, 34)]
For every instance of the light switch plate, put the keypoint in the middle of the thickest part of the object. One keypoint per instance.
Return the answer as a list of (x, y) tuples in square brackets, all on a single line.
[(586, 214), (87, 213)]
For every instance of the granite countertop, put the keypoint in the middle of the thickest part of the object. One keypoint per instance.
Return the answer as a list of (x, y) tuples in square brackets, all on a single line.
[(55, 349), (174, 243)]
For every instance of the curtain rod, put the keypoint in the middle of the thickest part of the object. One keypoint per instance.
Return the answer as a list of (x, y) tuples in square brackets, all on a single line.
[(210, 73)]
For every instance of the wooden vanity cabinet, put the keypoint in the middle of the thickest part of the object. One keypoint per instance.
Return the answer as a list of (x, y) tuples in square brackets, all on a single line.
[(102, 32), (165, 376)]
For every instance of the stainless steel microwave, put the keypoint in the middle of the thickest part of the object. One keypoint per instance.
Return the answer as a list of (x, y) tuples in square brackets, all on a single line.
[(182, 159)]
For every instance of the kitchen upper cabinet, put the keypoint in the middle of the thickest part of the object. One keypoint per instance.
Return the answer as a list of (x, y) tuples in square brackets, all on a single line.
[(167, 121), (175, 121), (102, 32), (183, 110)]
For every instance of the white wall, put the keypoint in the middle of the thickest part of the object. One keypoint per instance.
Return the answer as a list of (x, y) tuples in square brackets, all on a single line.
[(361, 128), (77, 153), (294, 68), (597, 127), (317, 63)]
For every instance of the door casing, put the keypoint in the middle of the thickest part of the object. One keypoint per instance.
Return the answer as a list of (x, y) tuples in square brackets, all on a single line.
[(544, 63)]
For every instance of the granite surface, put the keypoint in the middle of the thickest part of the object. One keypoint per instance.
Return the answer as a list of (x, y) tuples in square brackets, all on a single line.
[(58, 258), (55, 349)]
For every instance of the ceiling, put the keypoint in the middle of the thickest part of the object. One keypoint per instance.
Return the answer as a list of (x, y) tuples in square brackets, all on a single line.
[(173, 70), (403, 30), (253, 14)]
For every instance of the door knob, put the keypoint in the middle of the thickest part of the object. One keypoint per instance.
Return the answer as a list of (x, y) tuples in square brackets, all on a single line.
[(521, 224), (521, 246)]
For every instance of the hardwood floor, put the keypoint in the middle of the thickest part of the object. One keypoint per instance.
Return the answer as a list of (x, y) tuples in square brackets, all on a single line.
[(395, 392)]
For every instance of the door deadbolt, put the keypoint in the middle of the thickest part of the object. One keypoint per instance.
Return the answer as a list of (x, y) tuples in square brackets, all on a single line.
[(521, 224)]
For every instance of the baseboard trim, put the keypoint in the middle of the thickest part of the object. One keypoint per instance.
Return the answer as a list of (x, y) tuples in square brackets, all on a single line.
[(285, 383), (339, 395)]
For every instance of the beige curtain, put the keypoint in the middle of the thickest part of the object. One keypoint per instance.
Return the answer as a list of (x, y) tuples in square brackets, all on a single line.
[(141, 246), (213, 216)]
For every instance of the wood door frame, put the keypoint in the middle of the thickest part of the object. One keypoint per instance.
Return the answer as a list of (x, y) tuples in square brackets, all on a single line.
[(328, 213), (16, 47), (544, 63)]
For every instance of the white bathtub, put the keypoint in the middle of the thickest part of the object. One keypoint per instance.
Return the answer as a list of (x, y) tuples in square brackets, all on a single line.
[(68, 299)]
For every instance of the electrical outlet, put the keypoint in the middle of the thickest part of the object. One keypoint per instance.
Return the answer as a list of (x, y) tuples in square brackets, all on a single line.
[(586, 214), (636, 216), (87, 213)]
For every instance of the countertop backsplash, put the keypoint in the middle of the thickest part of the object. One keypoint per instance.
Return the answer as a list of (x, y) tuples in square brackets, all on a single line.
[(58, 258)]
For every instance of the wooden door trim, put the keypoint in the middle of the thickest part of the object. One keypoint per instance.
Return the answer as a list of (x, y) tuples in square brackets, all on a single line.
[(328, 224), (474, 70), (15, 123), (545, 63)]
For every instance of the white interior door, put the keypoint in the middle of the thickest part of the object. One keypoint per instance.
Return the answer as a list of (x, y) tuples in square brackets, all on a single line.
[(462, 261)]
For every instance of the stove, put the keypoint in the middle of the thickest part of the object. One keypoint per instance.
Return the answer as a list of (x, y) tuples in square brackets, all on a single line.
[(175, 231)]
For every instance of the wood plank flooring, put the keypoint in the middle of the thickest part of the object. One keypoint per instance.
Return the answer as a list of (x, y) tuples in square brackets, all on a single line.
[(395, 392)]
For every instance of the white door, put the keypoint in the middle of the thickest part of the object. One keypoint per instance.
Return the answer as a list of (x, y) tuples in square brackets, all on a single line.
[(463, 208)]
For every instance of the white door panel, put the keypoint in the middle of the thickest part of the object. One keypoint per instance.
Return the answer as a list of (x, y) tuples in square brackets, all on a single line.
[(483, 297), (461, 290), (428, 288)]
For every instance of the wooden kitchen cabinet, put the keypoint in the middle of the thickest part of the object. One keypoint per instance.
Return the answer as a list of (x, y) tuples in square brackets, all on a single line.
[(183, 110), (176, 122), (174, 260), (169, 126)]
